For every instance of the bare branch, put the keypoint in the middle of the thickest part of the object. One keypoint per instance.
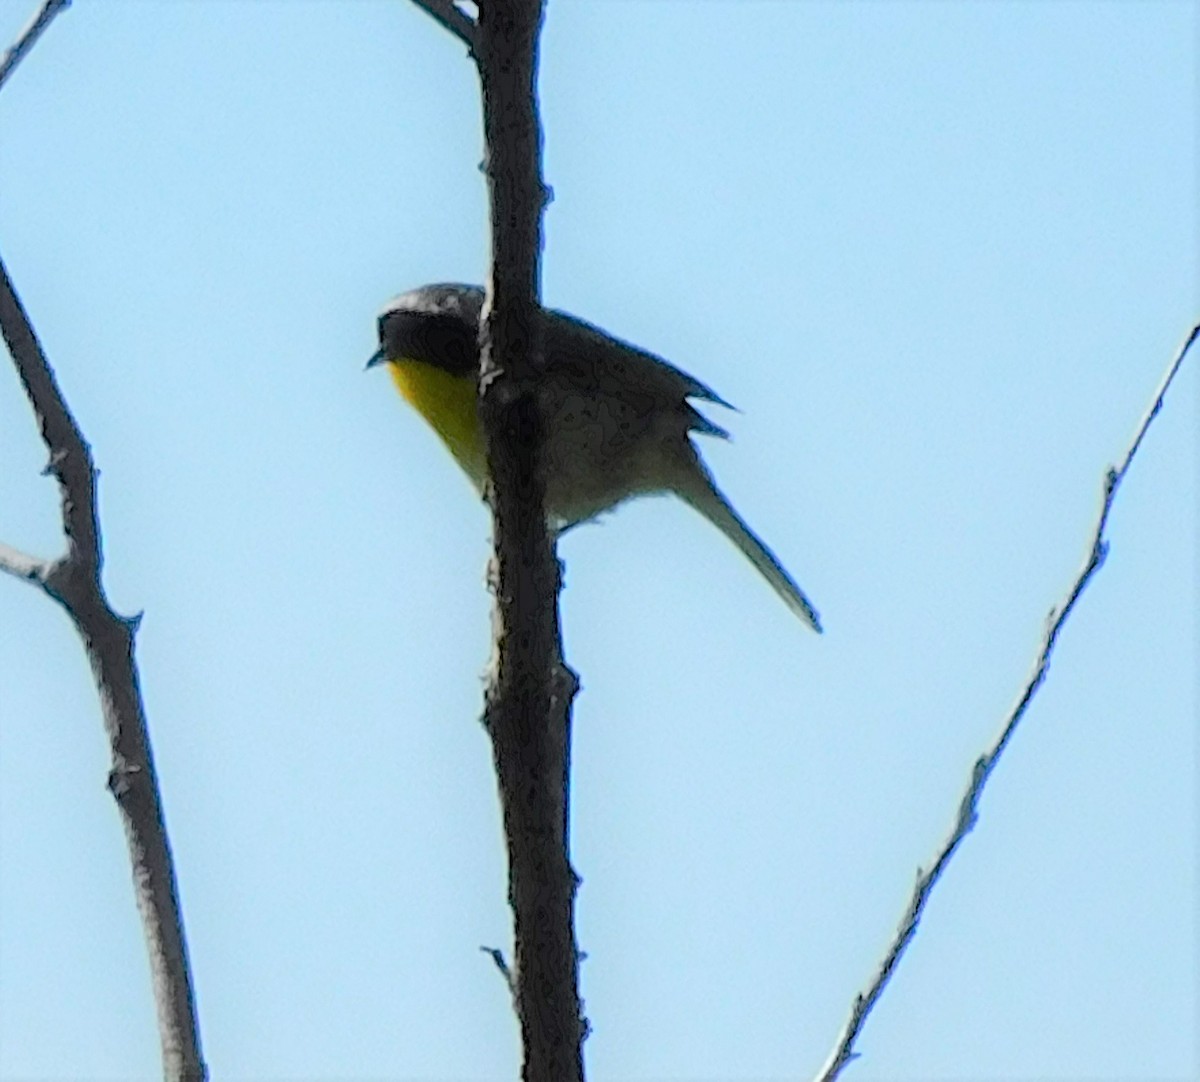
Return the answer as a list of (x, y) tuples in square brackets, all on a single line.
[(28, 37), (501, 964), (527, 709), (968, 810), (23, 566), (70, 456), (454, 19), (74, 582)]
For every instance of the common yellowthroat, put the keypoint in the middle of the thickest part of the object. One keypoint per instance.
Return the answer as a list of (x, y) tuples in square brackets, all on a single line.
[(616, 420)]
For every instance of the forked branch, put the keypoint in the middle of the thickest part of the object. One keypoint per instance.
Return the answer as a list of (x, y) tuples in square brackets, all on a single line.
[(454, 19), (73, 580)]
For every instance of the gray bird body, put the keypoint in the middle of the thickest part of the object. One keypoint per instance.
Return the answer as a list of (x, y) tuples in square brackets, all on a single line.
[(617, 420)]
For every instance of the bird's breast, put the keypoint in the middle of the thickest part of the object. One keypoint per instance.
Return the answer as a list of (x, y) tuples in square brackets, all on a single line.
[(449, 404)]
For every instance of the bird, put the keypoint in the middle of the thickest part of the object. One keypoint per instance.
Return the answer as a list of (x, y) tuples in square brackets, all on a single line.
[(617, 420)]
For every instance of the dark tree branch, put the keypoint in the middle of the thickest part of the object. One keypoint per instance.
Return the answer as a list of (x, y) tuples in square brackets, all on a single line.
[(74, 582), (28, 37), (529, 693), (968, 810), (454, 19)]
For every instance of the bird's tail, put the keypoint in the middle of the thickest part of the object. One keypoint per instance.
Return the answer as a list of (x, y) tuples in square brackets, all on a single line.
[(701, 491)]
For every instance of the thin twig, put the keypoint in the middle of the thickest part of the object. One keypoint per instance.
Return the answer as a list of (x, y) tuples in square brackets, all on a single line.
[(28, 37), (501, 963), (73, 581), (968, 810), (454, 19), (23, 566)]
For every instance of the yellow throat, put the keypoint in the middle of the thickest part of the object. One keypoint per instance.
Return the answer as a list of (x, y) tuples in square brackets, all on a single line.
[(449, 404)]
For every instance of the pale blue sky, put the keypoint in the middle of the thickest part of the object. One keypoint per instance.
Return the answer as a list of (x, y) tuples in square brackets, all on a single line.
[(939, 255)]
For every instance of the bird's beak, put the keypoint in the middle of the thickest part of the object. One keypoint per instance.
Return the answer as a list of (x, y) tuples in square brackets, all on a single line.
[(378, 357)]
